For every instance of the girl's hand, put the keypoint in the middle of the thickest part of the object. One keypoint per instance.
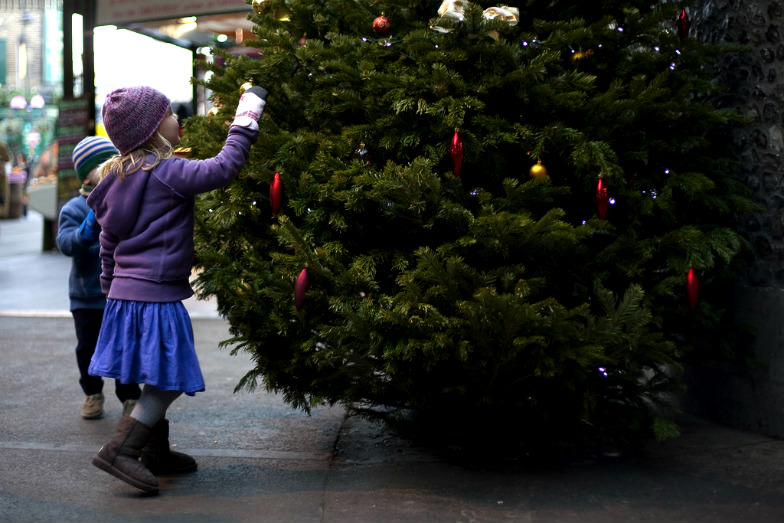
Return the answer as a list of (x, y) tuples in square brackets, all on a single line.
[(250, 108)]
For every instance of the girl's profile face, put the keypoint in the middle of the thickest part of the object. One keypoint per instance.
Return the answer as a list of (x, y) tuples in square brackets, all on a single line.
[(170, 128)]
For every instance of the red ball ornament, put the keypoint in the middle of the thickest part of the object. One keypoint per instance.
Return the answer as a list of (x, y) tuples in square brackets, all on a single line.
[(456, 150), (381, 26), (300, 288), (683, 24), (602, 198), (275, 189), (692, 287)]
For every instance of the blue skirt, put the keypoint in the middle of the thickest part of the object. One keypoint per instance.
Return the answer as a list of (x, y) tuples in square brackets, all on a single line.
[(150, 343)]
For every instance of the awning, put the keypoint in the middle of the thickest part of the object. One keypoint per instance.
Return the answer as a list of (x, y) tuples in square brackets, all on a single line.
[(188, 23), (123, 12)]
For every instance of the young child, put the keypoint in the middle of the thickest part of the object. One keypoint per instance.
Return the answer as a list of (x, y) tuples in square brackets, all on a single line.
[(145, 204), (77, 237)]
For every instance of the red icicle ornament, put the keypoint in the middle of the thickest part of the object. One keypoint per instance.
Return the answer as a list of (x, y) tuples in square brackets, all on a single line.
[(300, 288), (683, 24), (602, 198), (692, 287), (456, 150), (275, 193)]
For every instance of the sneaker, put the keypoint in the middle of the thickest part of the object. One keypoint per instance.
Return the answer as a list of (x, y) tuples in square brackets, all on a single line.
[(128, 407), (93, 406)]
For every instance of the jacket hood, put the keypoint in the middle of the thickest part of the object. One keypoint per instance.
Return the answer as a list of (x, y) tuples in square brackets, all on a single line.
[(117, 201)]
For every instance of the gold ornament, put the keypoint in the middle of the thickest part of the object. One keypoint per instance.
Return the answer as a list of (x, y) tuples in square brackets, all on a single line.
[(214, 111), (579, 55), (259, 6), (244, 87), (282, 15), (538, 170), (243, 288), (511, 15), (453, 11)]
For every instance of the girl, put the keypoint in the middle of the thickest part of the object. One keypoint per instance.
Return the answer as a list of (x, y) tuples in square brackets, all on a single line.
[(144, 205)]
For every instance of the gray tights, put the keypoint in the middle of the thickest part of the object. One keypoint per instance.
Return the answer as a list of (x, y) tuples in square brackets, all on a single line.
[(152, 404)]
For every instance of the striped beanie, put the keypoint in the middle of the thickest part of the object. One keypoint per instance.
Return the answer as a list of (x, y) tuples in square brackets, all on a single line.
[(131, 115), (90, 153)]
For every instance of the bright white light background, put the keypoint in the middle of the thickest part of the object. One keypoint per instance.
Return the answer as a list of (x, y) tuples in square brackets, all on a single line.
[(124, 59)]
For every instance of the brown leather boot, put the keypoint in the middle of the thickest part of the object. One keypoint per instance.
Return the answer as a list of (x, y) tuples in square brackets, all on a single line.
[(160, 459), (120, 456)]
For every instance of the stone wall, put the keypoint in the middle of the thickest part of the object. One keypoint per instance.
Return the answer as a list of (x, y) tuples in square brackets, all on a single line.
[(751, 396)]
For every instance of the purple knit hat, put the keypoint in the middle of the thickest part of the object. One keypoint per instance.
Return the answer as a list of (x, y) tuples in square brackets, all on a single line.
[(131, 115)]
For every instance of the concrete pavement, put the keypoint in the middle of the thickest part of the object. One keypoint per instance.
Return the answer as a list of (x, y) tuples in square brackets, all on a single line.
[(35, 283), (261, 461)]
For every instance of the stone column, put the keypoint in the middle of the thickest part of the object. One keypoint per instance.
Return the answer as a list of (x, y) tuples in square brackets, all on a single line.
[(751, 395)]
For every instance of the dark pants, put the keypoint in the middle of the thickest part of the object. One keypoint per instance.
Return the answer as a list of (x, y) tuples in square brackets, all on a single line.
[(88, 324)]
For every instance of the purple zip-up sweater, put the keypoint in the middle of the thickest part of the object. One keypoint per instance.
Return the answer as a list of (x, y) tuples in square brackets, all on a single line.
[(146, 221)]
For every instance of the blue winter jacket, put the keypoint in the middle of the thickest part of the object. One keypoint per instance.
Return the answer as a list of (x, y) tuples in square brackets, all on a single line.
[(84, 286), (146, 220)]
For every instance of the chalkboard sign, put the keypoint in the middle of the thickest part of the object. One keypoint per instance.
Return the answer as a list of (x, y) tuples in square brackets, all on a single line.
[(73, 124)]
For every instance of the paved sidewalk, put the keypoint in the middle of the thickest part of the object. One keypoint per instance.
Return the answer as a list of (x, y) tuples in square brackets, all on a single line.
[(35, 283), (261, 461)]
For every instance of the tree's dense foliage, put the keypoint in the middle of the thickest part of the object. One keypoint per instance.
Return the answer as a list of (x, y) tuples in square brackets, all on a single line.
[(491, 303)]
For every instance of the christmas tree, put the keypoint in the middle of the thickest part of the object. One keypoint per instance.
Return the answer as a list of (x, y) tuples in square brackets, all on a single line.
[(508, 224)]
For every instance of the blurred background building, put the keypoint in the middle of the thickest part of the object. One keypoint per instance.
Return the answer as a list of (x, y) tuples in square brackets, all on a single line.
[(31, 51), (59, 59)]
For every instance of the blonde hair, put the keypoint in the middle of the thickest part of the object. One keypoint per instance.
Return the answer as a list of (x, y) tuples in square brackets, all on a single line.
[(157, 146)]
